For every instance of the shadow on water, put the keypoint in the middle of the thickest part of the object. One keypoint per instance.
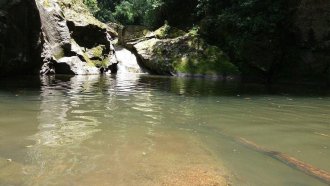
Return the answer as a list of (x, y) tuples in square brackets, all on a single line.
[(175, 85), (213, 87)]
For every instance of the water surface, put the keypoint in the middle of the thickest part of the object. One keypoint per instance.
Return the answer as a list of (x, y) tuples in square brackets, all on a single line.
[(147, 130)]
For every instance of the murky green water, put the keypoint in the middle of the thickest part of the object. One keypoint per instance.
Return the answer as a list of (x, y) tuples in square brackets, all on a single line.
[(144, 130)]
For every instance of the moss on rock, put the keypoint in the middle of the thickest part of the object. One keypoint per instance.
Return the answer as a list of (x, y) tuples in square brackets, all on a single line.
[(96, 52), (168, 32), (76, 11), (188, 54)]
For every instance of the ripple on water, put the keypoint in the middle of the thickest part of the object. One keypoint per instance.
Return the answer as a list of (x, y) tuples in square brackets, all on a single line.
[(147, 130)]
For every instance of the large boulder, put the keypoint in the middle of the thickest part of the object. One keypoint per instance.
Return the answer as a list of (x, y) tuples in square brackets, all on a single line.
[(72, 33), (73, 65), (129, 33), (37, 35), (170, 51)]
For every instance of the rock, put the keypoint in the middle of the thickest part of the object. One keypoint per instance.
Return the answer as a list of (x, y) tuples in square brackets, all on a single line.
[(36, 34), (73, 65), (181, 54), (114, 29), (168, 32), (77, 34), (96, 52), (57, 39), (132, 33), (20, 38)]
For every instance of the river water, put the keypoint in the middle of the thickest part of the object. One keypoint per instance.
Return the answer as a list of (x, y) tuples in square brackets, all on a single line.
[(147, 130)]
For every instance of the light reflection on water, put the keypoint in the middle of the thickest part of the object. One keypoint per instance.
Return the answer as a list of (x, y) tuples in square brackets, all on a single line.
[(146, 130)]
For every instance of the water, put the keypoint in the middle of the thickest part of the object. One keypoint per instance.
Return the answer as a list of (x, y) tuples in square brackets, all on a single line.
[(148, 130), (128, 62)]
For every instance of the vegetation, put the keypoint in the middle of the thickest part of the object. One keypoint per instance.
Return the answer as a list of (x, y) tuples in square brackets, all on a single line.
[(259, 36), (255, 33)]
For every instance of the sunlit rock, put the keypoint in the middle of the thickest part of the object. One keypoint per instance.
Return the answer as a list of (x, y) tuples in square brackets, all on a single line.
[(72, 33), (170, 51)]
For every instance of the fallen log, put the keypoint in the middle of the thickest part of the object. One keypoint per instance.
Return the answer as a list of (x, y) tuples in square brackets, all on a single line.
[(308, 169)]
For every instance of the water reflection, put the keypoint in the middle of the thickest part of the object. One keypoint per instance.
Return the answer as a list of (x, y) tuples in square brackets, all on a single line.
[(68, 117), (64, 118), (74, 110), (135, 129)]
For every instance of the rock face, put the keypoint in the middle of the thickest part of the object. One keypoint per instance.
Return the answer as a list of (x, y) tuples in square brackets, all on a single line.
[(131, 32), (20, 37), (73, 37), (46, 34), (169, 51)]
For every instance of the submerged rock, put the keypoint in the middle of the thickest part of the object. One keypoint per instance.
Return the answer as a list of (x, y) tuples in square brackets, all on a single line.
[(170, 51)]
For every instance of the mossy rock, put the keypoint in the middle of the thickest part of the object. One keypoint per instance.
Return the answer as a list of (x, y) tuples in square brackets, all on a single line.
[(184, 54), (77, 12), (168, 32), (96, 52), (101, 63)]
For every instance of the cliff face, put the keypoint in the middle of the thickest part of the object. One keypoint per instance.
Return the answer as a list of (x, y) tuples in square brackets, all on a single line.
[(20, 37), (75, 42), (53, 36)]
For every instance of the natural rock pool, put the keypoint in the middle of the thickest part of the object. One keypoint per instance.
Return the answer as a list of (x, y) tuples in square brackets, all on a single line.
[(149, 130)]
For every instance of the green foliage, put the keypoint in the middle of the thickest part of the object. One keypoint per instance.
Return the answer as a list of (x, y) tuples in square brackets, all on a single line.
[(194, 31), (127, 12), (124, 12), (137, 11), (92, 5), (150, 13), (255, 33)]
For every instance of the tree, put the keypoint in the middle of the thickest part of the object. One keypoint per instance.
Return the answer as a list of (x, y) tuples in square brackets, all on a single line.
[(92, 5), (255, 33)]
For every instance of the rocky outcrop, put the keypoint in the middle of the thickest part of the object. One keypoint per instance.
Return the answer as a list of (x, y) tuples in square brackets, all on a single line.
[(20, 37), (74, 38), (53, 35), (169, 51)]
